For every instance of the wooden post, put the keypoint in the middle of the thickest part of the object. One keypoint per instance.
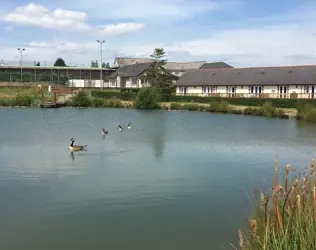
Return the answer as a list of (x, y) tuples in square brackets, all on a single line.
[(42, 97), (55, 94)]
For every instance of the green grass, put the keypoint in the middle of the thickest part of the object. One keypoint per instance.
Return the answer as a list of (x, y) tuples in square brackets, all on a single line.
[(285, 218), (17, 97)]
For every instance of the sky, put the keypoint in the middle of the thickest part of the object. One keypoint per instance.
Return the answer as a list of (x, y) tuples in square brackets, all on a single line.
[(242, 33)]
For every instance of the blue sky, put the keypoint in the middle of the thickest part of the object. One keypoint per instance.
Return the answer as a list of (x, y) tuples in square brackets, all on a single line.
[(240, 32)]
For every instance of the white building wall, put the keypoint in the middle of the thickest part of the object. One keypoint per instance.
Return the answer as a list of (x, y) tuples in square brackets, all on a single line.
[(80, 83), (242, 90)]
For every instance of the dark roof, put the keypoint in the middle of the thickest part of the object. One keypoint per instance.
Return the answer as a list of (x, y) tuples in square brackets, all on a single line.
[(132, 70), (289, 75), (216, 65)]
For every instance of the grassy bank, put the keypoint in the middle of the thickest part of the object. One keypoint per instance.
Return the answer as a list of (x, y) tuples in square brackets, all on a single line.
[(286, 217), (22, 97), (153, 99)]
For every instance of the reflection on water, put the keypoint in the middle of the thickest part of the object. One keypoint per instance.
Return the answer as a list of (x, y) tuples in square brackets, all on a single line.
[(176, 180)]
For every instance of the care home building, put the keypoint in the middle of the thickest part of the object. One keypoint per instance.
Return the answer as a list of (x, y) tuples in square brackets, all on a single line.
[(129, 76), (176, 68), (264, 82)]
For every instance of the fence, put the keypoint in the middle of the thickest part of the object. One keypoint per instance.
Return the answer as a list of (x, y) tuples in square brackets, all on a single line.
[(27, 77)]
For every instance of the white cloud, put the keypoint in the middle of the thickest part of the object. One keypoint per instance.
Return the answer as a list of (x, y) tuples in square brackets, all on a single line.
[(143, 9), (274, 45), (38, 15), (121, 28)]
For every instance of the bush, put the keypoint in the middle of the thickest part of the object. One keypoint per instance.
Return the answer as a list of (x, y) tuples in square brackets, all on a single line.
[(97, 102), (306, 112), (270, 111), (253, 111), (22, 100), (191, 107), (147, 98), (125, 96), (219, 106), (176, 106), (81, 100), (113, 104), (5, 102)]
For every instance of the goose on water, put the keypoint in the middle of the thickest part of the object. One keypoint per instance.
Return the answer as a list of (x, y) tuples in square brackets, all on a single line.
[(73, 147), (119, 128), (129, 125), (104, 132)]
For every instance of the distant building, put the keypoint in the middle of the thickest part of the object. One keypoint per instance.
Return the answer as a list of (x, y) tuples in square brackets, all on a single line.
[(264, 82), (176, 68)]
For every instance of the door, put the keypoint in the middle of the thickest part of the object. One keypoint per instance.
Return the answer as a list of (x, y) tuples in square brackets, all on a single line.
[(282, 91), (231, 91)]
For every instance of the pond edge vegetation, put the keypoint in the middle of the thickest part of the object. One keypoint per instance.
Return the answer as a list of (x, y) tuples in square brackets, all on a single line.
[(152, 98), (286, 217)]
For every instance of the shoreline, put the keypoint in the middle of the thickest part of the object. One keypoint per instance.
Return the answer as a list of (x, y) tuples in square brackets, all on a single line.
[(166, 106)]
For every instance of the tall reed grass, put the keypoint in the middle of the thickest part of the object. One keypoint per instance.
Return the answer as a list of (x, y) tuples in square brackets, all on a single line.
[(267, 109), (285, 219)]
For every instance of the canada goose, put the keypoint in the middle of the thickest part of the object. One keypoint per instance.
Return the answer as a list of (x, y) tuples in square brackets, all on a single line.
[(73, 147), (129, 125), (119, 128), (104, 132)]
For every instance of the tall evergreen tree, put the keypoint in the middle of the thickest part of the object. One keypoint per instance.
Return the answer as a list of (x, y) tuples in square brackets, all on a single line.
[(157, 75)]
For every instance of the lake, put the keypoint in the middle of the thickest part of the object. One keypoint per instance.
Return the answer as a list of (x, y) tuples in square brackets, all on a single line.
[(176, 180)]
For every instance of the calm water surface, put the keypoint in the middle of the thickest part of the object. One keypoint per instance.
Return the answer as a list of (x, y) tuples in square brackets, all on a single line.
[(177, 180)]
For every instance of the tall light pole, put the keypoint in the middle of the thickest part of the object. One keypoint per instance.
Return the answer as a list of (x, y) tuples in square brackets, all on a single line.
[(21, 52), (101, 43)]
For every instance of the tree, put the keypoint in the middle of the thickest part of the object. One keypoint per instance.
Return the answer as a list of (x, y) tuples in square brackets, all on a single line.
[(157, 75), (147, 98), (103, 65), (94, 64), (107, 65), (60, 62), (38, 64)]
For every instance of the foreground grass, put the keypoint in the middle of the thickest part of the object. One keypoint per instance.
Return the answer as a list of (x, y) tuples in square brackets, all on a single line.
[(285, 218)]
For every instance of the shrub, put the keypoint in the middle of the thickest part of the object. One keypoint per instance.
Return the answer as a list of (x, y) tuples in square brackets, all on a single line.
[(113, 104), (285, 217), (176, 106), (97, 102), (81, 100), (22, 100), (191, 107), (125, 96), (147, 98), (5, 102), (253, 111), (270, 111), (218, 106)]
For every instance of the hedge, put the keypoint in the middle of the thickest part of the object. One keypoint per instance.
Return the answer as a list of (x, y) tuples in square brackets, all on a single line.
[(125, 96), (278, 103), (130, 94), (167, 96)]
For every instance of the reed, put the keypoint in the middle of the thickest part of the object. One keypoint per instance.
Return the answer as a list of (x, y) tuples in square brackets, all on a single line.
[(286, 218)]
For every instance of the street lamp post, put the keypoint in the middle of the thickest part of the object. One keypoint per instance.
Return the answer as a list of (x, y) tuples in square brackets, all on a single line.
[(21, 52), (101, 43)]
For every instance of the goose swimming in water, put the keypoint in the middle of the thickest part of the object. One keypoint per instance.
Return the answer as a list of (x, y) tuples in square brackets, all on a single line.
[(73, 147), (119, 128), (104, 132), (129, 125)]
